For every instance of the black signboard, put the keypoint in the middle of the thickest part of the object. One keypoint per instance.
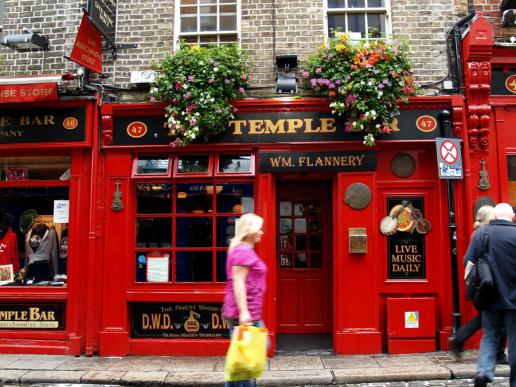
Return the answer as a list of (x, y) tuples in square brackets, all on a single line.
[(178, 320), (42, 125), (406, 247), (503, 82), (32, 316), (317, 161), (277, 127), (103, 17)]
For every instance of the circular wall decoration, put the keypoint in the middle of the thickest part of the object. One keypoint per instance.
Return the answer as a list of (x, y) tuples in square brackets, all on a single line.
[(403, 165), (483, 201), (357, 196)]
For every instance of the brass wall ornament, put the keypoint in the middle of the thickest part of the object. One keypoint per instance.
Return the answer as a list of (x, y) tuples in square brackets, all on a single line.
[(117, 204), (357, 196), (483, 183), (403, 165)]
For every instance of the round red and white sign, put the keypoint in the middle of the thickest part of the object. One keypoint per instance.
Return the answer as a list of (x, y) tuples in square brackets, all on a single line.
[(449, 152)]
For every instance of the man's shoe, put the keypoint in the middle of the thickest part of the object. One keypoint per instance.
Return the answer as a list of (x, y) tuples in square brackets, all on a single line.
[(455, 347), (502, 359), (481, 380)]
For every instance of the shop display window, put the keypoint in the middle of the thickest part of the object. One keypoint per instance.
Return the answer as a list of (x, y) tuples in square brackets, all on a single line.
[(152, 165), (511, 168), (14, 168), (185, 227), (34, 234), (235, 164), (193, 164)]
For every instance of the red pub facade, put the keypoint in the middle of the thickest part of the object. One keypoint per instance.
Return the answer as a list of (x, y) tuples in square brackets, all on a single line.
[(149, 223)]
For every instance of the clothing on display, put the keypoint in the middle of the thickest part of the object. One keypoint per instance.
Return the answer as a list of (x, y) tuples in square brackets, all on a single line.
[(9, 248), (41, 247), (63, 253)]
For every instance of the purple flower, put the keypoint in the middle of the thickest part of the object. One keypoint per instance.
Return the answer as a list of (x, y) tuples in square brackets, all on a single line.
[(190, 78), (241, 90), (337, 82), (381, 86), (318, 70), (331, 86)]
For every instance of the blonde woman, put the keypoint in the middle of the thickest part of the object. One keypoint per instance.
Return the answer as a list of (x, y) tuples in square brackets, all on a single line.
[(246, 279), (484, 215)]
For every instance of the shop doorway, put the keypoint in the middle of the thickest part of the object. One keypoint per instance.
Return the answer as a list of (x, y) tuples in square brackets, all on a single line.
[(304, 261)]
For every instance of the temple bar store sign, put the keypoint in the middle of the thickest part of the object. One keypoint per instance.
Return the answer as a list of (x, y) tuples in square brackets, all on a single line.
[(406, 247), (317, 161), (36, 316), (178, 320), (103, 17)]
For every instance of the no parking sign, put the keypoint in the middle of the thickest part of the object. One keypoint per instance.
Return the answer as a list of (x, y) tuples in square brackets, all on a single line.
[(449, 158)]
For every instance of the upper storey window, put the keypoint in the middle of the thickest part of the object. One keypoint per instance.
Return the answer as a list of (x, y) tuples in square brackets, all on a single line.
[(207, 21), (367, 17)]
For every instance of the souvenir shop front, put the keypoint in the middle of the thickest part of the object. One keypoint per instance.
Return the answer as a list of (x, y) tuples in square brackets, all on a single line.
[(45, 183), (356, 238)]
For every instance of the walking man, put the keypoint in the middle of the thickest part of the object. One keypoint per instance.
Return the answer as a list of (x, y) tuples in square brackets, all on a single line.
[(502, 260)]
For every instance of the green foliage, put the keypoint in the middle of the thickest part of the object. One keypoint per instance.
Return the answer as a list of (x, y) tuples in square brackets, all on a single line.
[(365, 81), (198, 84)]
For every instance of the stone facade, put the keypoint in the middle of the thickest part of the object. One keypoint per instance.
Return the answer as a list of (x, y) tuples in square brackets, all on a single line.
[(268, 28)]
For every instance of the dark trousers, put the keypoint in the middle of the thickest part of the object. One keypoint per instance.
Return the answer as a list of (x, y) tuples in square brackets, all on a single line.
[(38, 271)]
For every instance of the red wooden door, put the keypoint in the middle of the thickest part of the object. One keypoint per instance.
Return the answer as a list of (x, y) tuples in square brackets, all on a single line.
[(304, 254)]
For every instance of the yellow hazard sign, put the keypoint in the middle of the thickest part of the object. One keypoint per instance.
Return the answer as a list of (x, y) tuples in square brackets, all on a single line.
[(411, 319)]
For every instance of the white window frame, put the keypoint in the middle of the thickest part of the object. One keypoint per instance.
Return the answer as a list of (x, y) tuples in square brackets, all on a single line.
[(338, 11), (177, 24)]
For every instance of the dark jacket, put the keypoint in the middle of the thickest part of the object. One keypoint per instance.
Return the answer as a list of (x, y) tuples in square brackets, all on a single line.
[(501, 257)]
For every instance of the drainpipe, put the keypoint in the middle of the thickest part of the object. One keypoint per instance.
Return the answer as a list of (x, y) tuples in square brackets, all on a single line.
[(445, 131), (456, 31)]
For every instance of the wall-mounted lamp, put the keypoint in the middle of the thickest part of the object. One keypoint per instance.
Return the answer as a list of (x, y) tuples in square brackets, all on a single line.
[(26, 41), (286, 74), (508, 8)]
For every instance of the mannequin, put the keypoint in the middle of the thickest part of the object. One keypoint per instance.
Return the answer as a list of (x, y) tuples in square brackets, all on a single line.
[(41, 247), (63, 253), (8, 247)]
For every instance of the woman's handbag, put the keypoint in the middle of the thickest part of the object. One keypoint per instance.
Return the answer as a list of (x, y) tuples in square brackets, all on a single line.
[(247, 354)]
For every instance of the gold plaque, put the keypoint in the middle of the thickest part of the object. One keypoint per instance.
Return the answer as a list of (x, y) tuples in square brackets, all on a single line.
[(357, 240)]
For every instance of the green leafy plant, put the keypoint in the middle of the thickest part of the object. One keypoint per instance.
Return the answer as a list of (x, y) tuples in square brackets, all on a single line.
[(198, 84), (365, 81)]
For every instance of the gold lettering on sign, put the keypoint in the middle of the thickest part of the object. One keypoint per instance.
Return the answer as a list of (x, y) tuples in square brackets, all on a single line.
[(406, 259), (37, 120)]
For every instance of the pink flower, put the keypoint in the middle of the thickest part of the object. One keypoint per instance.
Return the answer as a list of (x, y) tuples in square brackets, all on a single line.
[(241, 90), (211, 80), (226, 81), (318, 70), (190, 78), (191, 107)]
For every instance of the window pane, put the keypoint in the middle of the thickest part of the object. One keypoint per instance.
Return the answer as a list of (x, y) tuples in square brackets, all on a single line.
[(301, 260), (208, 10), (152, 165), (192, 164), (315, 260), (190, 40), (356, 23), (234, 163), (189, 24), (188, 11), (336, 3), (194, 266), (375, 3), (208, 23), (221, 266), (356, 3), (228, 23), (228, 39), (194, 232), (228, 9), (188, 2), (153, 198), (153, 232), (376, 25), (336, 22), (208, 2), (235, 197), (35, 168), (225, 230), (194, 198), (153, 266), (208, 40)]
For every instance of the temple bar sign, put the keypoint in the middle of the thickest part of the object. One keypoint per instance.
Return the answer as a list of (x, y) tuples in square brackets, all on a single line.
[(317, 161)]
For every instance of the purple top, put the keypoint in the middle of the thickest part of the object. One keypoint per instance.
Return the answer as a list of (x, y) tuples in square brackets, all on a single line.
[(255, 282)]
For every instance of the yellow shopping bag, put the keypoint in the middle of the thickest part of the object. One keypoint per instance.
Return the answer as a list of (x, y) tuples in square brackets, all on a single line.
[(247, 354)]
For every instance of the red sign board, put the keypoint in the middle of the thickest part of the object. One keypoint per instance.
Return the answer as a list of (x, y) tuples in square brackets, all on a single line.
[(87, 49), (28, 93)]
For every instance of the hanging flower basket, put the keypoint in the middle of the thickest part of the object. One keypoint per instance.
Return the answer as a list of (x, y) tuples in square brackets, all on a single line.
[(365, 82), (198, 83)]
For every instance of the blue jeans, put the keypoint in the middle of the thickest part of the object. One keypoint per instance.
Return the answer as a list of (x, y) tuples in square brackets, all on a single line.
[(243, 383), (493, 323)]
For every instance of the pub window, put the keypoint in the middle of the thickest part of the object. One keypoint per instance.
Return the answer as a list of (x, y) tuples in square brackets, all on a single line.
[(369, 18), (239, 163), (207, 21), (406, 240), (151, 166), (34, 209), (183, 228), (194, 164), (511, 168)]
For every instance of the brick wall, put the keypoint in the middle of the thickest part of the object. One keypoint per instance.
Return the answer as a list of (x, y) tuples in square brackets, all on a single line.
[(296, 27)]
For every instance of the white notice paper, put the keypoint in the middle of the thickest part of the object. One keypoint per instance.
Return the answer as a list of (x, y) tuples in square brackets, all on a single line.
[(61, 211)]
